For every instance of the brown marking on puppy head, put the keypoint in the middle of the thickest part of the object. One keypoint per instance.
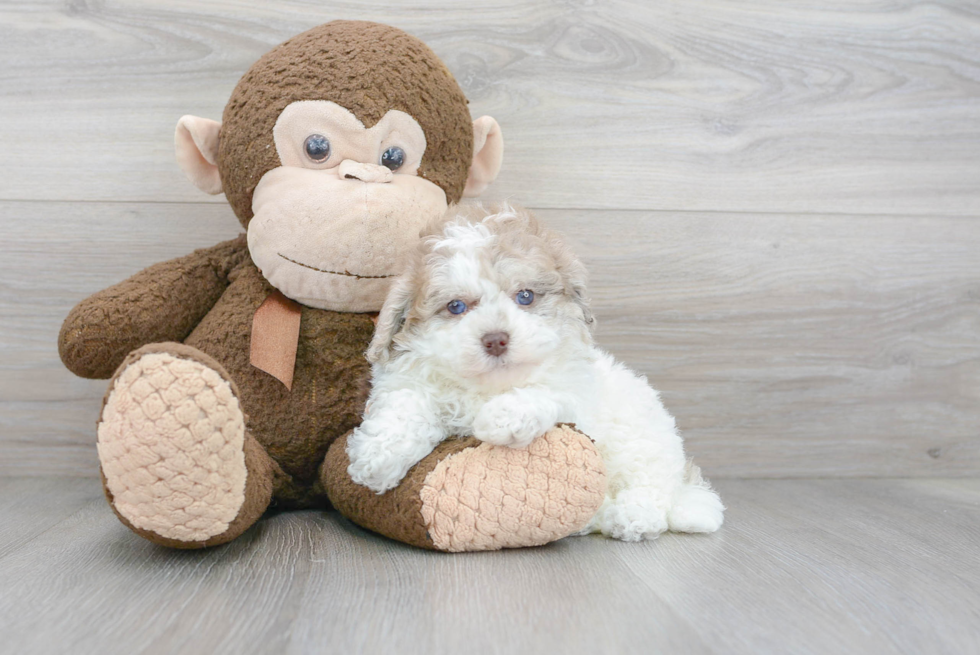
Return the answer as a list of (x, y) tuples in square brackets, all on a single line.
[(364, 67), (521, 235), (518, 238)]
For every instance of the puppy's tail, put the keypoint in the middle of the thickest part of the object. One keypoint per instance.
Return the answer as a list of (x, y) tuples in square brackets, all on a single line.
[(696, 508)]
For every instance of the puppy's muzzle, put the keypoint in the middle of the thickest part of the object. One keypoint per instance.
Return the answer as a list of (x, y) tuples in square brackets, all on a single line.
[(495, 343)]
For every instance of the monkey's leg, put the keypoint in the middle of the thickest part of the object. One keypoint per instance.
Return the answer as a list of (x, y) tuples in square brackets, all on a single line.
[(468, 495), (178, 466)]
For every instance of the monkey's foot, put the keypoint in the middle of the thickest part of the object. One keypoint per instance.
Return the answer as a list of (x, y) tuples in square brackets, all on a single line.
[(178, 465), (468, 495)]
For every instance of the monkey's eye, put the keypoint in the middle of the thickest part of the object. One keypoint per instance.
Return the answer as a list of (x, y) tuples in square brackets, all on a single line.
[(456, 306), (393, 158), (317, 148), (524, 297)]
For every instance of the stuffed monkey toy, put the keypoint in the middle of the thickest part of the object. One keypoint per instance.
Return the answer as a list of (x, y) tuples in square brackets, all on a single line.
[(238, 370)]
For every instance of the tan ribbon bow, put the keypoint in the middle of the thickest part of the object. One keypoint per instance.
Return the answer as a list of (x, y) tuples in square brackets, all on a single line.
[(275, 337)]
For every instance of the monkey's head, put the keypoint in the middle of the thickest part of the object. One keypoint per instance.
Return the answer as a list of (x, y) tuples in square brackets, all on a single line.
[(335, 149)]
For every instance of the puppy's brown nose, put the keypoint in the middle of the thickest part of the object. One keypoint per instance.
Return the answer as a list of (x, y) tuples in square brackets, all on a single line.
[(495, 343)]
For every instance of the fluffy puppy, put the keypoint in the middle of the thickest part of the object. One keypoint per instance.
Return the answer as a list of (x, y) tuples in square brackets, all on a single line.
[(489, 333)]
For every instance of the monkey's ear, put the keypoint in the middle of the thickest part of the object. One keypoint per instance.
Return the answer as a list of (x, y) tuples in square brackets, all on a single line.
[(196, 141), (488, 153), (391, 319)]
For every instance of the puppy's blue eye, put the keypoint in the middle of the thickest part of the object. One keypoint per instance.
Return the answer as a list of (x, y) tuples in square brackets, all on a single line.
[(317, 147), (393, 158), (456, 306), (525, 297)]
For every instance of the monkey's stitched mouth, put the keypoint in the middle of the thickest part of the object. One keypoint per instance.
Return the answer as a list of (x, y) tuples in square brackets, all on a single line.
[(344, 273)]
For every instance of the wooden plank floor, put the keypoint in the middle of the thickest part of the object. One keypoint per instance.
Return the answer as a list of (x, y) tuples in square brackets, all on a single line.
[(778, 201), (779, 204), (801, 566), (844, 342), (785, 348), (757, 105)]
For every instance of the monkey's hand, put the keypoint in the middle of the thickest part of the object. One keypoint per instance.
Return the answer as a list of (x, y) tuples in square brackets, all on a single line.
[(161, 303)]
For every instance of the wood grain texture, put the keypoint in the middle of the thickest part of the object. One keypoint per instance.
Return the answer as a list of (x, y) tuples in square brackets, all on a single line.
[(855, 107), (833, 345), (55, 255), (31, 506), (778, 204), (825, 566), (801, 566)]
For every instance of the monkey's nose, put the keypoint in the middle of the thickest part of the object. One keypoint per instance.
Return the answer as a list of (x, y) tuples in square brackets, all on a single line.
[(355, 170), (495, 343)]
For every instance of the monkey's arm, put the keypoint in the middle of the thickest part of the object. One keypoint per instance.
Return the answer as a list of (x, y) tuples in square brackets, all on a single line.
[(161, 303)]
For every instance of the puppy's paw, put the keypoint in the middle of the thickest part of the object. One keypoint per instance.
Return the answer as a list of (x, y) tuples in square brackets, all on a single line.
[(374, 465), (512, 420), (696, 509), (632, 516)]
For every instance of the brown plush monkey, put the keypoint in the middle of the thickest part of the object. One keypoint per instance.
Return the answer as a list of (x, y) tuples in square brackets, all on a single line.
[(237, 370)]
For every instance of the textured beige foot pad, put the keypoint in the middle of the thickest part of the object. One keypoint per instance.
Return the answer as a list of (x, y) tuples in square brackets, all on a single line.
[(467, 495), (492, 497), (171, 443)]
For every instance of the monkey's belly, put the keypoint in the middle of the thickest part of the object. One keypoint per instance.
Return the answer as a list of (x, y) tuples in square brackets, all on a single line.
[(295, 426)]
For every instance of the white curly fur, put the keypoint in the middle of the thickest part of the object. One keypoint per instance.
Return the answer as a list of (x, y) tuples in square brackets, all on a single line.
[(432, 377)]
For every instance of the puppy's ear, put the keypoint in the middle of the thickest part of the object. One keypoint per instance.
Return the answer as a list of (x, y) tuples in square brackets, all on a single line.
[(574, 275), (576, 279), (392, 317)]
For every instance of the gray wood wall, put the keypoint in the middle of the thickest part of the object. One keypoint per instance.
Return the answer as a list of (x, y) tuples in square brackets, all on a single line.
[(779, 200)]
